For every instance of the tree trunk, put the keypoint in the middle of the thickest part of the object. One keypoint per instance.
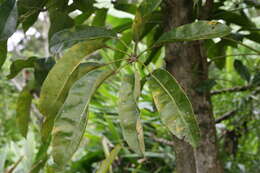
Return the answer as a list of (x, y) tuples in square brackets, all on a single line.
[(186, 61)]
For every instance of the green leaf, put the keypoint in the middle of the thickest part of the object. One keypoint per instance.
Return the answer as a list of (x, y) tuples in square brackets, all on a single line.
[(59, 80), (174, 106), (129, 114), (68, 37), (142, 14), (59, 21), (18, 65), (242, 70), (72, 118), (84, 5), (8, 16), (3, 52), (23, 108), (104, 167), (126, 38), (100, 17), (217, 50), (42, 67), (28, 11), (126, 7), (195, 31)]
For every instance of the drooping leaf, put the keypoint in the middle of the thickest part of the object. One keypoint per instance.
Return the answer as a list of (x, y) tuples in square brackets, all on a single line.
[(129, 114), (142, 13), (242, 70), (174, 106), (72, 118), (195, 31), (18, 65), (104, 167), (100, 17), (28, 11), (8, 16), (3, 52), (23, 108), (64, 73), (68, 37)]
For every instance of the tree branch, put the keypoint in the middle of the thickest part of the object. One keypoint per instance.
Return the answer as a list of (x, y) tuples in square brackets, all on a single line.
[(231, 90), (225, 116)]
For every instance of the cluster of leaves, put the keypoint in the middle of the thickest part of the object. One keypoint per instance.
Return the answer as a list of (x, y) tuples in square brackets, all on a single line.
[(66, 88)]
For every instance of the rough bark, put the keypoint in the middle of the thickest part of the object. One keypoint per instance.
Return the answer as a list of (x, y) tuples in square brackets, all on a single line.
[(188, 64)]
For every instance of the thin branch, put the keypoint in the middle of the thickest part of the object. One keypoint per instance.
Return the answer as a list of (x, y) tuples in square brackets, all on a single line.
[(225, 116), (224, 56), (242, 44), (231, 90), (162, 140)]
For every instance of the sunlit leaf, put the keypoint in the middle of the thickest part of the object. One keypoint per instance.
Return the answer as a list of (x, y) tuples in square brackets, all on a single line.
[(104, 167), (195, 31), (18, 65), (65, 76), (68, 37), (242, 70), (129, 114), (8, 16), (174, 106), (72, 118), (23, 108)]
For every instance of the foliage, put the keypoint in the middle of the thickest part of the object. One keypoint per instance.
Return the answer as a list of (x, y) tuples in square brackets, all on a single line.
[(95, 54)]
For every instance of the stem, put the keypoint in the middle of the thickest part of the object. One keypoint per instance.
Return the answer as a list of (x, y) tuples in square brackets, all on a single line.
[(118, 50), (123, 43), (242, 44)]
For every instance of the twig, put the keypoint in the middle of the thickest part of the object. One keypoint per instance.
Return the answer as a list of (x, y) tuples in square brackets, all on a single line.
[(15, 165), (230, 90), (162, 140)]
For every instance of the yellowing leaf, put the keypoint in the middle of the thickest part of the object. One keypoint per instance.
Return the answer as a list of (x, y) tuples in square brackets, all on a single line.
[(55, 86), (174, 106)]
